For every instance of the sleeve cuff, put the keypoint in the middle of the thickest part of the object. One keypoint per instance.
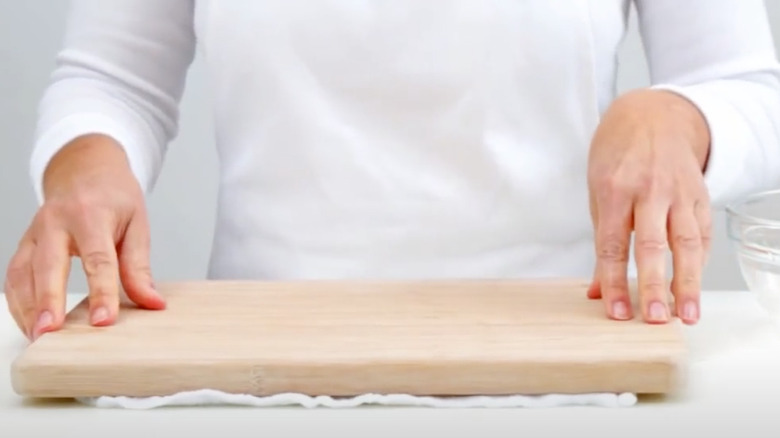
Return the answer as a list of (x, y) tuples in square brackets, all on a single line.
[(729, 174), (142, 160)]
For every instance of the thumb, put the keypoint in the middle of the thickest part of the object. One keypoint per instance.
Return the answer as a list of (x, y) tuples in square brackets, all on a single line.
[(134, 265), (594, 290)]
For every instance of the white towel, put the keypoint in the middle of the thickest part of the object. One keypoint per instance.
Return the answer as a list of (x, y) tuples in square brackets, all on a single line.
[(210, 397)]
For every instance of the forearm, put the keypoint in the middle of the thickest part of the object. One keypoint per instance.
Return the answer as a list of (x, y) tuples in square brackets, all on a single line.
[(120, 74)]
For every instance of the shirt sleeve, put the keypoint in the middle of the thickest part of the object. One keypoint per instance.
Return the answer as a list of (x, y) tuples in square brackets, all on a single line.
[(120, 72), (719, 54)]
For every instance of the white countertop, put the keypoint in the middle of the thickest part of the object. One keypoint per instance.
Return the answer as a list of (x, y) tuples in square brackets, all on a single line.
[(733, 388)]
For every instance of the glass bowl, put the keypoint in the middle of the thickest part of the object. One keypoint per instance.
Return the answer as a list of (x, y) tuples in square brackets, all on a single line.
[(753, 226)]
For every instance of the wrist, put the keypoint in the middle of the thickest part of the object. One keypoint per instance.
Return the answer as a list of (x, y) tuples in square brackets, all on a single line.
[(86, 160)]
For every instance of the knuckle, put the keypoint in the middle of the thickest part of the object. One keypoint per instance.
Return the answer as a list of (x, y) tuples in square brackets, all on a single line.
[(615, 283), (613, 248), (687, 241), (24, 303), (83, 199), (102, 294), (685, 286), (134, 253), (653, 283), (650, 244), (144, 271), (652, 185), (657, 185), (82, 209), (16, 274), (614, 185), (131, 273), (688, 281), (96, 262), (646, 183), (706, 241), (82, 205), (49, 215), (653, 287)]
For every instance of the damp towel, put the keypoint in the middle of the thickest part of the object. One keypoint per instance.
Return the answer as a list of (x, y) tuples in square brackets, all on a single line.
[(210, 397)]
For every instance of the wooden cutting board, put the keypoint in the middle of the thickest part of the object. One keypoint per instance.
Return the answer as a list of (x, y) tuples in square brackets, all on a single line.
[(347, 338)]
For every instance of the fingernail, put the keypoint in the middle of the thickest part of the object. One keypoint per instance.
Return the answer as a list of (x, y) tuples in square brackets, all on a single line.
[(690, 311), (657, 311), (99, 315), (620, 310), (45, 320)]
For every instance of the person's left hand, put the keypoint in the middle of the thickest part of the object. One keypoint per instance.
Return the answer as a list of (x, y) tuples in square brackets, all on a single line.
[(645, 174)]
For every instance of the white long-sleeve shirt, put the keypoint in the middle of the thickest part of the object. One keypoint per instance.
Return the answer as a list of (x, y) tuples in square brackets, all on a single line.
[(407, 138)]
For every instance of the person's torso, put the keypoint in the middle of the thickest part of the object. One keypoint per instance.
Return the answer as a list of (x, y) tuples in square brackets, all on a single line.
[(406, 138)]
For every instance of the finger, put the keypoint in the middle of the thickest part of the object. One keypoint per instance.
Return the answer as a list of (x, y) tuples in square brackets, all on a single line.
[(51, 263), (686, 245), (95, 246), (650, 245), (594, 290), (134, 266), (613, 238), (703, 214), (19, 287)]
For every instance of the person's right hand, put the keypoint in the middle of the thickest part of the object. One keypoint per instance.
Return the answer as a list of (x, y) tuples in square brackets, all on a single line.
[(94, 209)]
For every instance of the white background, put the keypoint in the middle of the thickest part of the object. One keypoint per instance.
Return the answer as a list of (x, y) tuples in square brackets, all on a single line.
[(183, 206)]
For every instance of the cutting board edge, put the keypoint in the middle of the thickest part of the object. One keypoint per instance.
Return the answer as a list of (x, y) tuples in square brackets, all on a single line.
[(662, 376)]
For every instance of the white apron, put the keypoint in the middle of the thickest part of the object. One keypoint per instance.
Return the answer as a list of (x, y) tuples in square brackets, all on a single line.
[(405, 139)]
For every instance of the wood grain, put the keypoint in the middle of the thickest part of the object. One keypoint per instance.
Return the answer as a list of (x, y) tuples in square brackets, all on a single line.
[(345, 338)]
